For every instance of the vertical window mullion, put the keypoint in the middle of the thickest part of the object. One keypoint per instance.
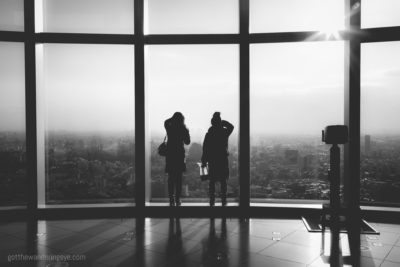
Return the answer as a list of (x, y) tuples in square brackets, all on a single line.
[(352, 108), (30, 96), (244, 117), (139, 106), (352, 120)]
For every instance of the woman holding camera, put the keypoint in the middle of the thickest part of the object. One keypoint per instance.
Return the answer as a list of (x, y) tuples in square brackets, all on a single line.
[(178, 136)]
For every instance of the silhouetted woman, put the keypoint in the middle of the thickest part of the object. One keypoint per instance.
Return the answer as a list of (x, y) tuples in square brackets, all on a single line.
[(215, 153), (178, 135)]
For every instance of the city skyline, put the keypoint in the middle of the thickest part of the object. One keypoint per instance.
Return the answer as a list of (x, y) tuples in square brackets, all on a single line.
[(88, 168)]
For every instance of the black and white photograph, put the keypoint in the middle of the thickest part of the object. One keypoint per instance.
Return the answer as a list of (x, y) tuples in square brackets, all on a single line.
[(200, 133)]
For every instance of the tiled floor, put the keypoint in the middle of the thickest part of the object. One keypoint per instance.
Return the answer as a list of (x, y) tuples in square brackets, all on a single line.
[(186, 242)]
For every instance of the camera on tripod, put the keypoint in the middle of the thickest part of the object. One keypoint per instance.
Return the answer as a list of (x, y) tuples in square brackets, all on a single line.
[(335, 134)]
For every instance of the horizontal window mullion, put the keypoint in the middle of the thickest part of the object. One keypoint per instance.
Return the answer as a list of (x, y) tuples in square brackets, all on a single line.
[(282, 37), (365, 35), (380, 34), (192, 39), (11, 36), (85, 38)]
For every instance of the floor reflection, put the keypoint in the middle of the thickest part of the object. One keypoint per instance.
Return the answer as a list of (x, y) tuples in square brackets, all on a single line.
[(174, 248), (215, 249), (195, 242)]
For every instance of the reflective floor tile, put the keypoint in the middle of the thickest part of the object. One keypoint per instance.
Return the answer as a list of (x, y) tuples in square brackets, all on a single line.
[(394, 255), (255, 260), (389, 264), (292, 252), (305, 238), (13, 227), (364, 262), (251, 244), (376, 252)]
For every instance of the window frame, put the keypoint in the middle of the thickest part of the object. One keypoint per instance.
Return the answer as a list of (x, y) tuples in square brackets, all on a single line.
[(353, 34)]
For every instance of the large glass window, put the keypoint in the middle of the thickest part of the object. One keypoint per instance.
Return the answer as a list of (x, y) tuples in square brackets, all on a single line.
[(88, 16), (380, 13), (380, 127), (12, 125), (296, 89), (86, 123), (86, 97), (191, 16), (11, 15), (196, 80), (296, 15)]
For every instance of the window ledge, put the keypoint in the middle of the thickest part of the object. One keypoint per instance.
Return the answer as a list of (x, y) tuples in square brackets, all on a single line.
[(380, 208), (99, 205)]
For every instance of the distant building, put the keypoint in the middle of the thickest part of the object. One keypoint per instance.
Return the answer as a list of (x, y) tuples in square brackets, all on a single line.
[(367, 144), (277, 148), (308, 162), (291, 156), (195, 152), (186, 190)]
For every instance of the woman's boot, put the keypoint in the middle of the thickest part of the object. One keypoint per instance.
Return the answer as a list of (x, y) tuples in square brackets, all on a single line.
[(171, 201), (223, 199), (178, 201), (212, 200)]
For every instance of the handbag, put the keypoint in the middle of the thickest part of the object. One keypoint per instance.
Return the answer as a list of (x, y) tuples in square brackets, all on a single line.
[(204, 176), (162, 149)]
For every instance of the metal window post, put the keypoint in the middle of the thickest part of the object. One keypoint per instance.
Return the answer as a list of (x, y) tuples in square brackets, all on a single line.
[(30, 110), (244, 130)]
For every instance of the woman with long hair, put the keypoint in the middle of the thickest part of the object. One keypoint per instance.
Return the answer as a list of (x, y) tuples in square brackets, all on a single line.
[(178, 136)]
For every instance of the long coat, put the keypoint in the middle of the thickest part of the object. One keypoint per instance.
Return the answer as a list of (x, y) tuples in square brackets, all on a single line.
[(178, 135), (215, 150)]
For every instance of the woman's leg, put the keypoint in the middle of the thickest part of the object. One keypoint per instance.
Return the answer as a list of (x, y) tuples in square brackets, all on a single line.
[(211, 191), (171, 182), (178, 189), (224, 188)]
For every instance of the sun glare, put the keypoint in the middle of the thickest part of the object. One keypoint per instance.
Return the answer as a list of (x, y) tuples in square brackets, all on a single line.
[(331, 27), (330, 18)]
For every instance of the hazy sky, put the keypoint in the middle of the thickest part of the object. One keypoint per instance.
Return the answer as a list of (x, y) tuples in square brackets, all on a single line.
[(380, 13), (88, 16), (295, 87), (380, 88), (88, 87), (12, 87), (12, 15), (191, 16), (196, 80), (295, 15)]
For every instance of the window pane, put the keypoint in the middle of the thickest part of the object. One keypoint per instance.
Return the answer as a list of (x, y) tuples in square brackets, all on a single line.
[(12, 125), (296, 89), (86, 97), (196, 80), (296, 15), (12, 15), (380, 13), (88, 16), (380, 128), (191, 16)]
